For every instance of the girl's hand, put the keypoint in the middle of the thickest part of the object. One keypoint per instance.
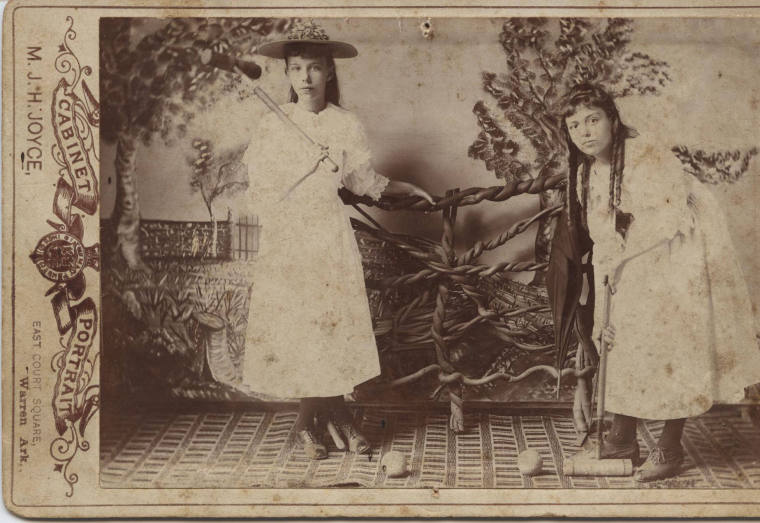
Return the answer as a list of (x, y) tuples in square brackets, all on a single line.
[(317, 157), (396, 188), (422, 193), (608, 336)]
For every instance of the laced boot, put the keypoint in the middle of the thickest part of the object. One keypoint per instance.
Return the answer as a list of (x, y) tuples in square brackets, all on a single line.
[(662, 463), (355, 439), (616, 450), (620, 442), (312, 446), (343, 422), (666, 458)]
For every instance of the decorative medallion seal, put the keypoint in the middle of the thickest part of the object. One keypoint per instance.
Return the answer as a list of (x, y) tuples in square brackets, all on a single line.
[(60, 256)]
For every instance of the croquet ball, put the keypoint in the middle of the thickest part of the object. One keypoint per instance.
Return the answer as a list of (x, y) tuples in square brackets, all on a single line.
[(394, 464), (529, 462)]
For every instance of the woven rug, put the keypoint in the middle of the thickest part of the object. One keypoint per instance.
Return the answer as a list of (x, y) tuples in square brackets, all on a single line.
[(246, 449)]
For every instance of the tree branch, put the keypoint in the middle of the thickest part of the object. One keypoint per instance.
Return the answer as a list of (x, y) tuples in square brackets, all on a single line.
[(544, 66), (538, 99)]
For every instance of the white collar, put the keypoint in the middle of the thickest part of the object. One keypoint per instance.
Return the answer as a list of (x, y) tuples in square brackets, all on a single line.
[(329, 107)]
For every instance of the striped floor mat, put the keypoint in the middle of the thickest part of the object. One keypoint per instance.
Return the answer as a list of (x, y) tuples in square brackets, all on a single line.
[(258, 449)]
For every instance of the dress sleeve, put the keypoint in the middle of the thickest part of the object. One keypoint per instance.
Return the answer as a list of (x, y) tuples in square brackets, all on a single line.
[(656, 192), (358, 176)]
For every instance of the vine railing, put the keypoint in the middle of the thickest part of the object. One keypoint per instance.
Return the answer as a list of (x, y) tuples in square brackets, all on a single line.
[(413, 328)]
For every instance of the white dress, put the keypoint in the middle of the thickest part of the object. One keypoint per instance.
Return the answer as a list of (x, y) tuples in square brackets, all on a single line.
[(309, 327), (684, 330)]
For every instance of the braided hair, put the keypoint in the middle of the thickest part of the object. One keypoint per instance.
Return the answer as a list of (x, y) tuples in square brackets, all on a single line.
[(591, 95)]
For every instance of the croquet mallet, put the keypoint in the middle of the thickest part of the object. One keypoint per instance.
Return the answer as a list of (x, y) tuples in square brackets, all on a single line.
[(250, 72)]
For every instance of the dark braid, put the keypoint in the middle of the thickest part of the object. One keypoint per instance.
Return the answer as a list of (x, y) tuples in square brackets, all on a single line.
[(585, 180), (617, 162), (614, 175), (575, 209), (572, 184)]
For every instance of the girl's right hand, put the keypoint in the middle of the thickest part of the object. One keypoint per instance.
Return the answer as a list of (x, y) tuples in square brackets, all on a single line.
[(317, 157), (608, 336)]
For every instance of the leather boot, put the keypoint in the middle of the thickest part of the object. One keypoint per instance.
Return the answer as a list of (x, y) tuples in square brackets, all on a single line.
[(614, 450), (312, 446), (662, 463), (355, 439)]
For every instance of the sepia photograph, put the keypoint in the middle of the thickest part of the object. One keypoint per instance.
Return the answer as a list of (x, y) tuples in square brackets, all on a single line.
[(328, 260), (457, 253)]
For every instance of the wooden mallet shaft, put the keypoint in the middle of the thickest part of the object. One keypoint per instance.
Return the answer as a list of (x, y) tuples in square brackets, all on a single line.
[(602, 367)]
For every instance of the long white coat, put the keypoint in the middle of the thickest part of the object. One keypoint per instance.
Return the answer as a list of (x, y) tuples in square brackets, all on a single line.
[(685, 336), (309, 328)]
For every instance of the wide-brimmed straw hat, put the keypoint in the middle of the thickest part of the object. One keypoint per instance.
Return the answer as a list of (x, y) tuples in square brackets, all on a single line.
[(307, 33)]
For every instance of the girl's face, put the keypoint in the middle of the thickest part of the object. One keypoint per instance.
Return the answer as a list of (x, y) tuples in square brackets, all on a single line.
[(591, 131), (308, 77)]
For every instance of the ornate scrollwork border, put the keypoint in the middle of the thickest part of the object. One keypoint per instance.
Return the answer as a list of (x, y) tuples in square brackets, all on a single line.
[(62, 258)]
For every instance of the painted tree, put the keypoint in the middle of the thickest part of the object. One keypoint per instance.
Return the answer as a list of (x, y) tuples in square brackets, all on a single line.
[(214, 174), (151, 90), (717, 166), (520, 136)]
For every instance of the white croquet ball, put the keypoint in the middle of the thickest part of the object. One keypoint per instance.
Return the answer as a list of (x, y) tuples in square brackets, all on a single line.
[(394, 464), (529, 462)]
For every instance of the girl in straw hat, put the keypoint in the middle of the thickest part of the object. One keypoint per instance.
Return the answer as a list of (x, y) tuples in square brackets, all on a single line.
[(309, 331)]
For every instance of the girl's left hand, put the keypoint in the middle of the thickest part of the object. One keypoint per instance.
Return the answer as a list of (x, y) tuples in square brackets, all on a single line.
[(422, 193), (398, 188)]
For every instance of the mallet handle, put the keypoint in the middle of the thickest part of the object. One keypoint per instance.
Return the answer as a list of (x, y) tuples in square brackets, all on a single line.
[(272, 105), (602, 367)]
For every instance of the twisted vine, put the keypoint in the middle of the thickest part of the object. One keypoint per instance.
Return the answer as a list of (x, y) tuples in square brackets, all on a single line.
[(413, 330), (471, 196)]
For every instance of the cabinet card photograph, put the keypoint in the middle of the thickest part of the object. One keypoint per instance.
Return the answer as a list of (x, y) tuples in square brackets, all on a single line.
[(321, 260)]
